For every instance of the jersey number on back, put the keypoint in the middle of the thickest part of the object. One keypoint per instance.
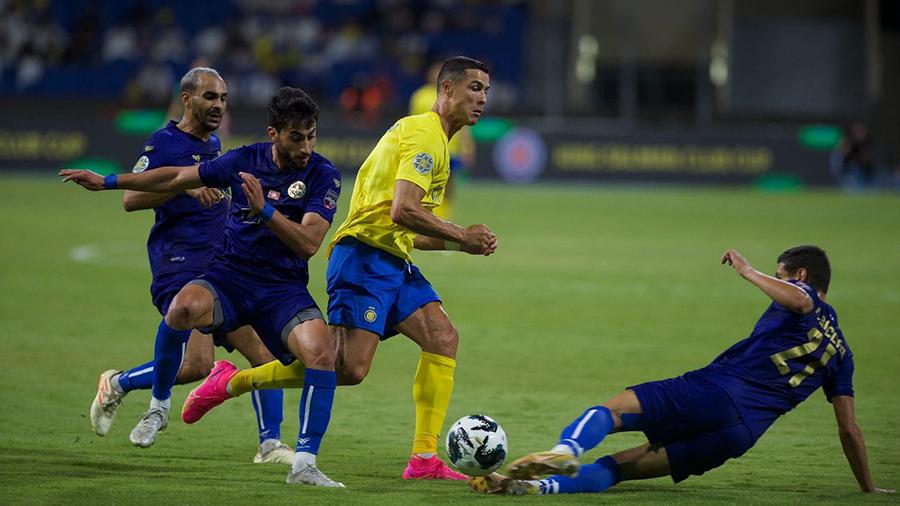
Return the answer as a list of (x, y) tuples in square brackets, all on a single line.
[(815, 339)]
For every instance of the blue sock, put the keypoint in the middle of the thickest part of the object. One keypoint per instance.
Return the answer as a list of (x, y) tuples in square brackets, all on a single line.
[(137, 378), (587, 430), (315, 409), (595, 477), (269, 407), (169, 352), (633, 421)]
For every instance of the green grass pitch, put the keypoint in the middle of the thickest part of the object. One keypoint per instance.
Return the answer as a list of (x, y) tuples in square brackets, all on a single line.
[(593, 288)]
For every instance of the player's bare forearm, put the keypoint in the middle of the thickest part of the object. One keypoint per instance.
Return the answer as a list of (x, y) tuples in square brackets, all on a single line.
[(853, 443), (408, 212), (421, 221), (424, 242), (138, 201), (303, 238), (854, 446), (782, 292), (162, 180)]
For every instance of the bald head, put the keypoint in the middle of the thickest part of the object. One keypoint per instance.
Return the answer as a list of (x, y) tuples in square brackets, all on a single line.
[(191, 81)]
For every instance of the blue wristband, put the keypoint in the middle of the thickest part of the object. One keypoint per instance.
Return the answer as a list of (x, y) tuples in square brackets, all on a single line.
[(267, 212), (111, 182)]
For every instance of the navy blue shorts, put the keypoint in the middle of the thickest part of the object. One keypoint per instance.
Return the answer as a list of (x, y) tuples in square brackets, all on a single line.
[(373, 290), (165, 288), (272, 308), (695, 420)]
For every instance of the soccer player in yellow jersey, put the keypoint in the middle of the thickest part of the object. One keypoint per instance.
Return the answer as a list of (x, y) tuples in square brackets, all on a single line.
[(374, 289), (461, 146)]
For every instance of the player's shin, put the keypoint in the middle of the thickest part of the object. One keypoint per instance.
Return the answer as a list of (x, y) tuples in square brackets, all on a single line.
[(596, 477), (169, 352), (315, 413), (269, 407), (586, 431), (272, 375), (432, 388)]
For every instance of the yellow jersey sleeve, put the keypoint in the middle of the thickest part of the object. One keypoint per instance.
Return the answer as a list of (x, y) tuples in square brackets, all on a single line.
[(419, 148)]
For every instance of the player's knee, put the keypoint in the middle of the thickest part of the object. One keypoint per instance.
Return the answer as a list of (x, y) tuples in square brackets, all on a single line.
[(322, 358), (180, 315), (443, 341), (354, 374)]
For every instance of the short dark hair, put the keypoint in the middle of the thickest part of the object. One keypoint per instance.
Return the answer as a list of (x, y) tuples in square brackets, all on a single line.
[(290, 106), (455, 68), (811, 258), (191, 80)]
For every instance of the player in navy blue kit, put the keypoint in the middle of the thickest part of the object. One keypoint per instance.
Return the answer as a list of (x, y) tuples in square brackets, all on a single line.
[(697, 421), (179, 247), (284, 196)]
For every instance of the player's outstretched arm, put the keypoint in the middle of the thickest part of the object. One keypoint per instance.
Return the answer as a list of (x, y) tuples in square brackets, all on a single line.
[(303, 238), (137, 201), (159, 180), (853, 444), (407, 211), (782, 292)]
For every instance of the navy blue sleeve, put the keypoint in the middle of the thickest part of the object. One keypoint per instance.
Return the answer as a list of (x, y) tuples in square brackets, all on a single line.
[(222, 171), (324, 196), (154, 154), (841, 382)]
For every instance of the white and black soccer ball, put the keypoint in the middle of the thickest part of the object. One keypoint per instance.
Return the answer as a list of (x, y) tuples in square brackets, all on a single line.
[(476, 445)]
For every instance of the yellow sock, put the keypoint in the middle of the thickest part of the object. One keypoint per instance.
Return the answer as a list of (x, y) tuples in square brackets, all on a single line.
[(268, 376), (431, 392)]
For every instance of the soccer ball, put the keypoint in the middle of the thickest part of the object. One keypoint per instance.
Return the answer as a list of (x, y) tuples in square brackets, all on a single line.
[(476, 445)]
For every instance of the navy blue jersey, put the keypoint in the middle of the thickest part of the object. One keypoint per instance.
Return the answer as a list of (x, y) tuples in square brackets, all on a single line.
[(248, 245), (183, 236), (786, 358)]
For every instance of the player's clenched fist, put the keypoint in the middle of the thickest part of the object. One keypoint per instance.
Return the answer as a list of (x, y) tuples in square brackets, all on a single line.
[(479, 240), (90, 180), (736, 260)]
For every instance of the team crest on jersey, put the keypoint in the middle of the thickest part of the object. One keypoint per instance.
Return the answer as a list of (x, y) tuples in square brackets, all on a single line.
[(141, 164), (196, 158), (148, 148), (297, 190), (330, 200), (423, 163), (370, 315)]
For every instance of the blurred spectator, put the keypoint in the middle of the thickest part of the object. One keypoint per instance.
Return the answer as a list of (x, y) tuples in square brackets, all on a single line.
[(367, 54), (854, 162)]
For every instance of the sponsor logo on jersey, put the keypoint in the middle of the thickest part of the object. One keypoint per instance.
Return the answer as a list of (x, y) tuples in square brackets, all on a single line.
[(148, 148), (337, 182), (196, 158), (297, 190), (274, 194)]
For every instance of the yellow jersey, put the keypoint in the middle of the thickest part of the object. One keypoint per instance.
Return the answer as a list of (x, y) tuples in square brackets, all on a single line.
[(414, 149), (421, 101)]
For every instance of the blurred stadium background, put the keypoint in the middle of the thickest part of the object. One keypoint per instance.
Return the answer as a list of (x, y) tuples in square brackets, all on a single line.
[(694, 91), (626, 144)]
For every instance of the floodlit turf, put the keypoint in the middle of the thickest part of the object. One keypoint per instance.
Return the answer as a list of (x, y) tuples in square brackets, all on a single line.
[(593, 288)]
